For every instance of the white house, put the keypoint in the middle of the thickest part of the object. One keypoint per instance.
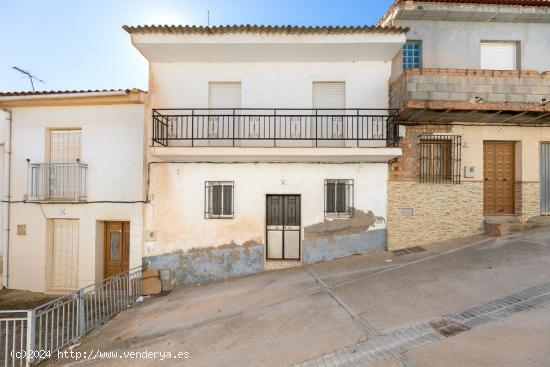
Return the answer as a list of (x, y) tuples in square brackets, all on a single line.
[(72, 187), (267, 147)]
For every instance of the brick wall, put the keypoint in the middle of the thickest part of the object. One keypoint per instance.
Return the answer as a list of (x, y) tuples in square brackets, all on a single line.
[(465, 85), (407, 167)]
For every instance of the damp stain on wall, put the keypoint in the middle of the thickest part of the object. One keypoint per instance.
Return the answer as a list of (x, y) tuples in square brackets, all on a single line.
[(203, 265), (341, 237)]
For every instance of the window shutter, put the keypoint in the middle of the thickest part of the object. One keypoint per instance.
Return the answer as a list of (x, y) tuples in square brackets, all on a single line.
[(341, 197), (498, 55), (216, 199), (227, 200), (224, 95), (330, 199), (329, 95)]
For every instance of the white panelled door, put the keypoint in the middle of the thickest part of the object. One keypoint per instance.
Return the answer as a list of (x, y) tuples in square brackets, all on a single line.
[(499, 55), (65, 254)]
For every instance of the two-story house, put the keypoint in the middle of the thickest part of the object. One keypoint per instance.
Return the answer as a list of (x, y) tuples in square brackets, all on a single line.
[(473, 89), (72, 187), (267, 147)]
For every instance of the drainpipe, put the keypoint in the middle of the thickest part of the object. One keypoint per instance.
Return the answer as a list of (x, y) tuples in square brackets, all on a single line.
[(6, 198)]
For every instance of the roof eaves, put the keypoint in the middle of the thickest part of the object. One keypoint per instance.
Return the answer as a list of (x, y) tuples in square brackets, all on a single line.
[(534, 3), (261, 29)]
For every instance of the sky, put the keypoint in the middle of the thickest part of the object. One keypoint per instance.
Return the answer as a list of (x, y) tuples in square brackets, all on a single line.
[(79, 44)]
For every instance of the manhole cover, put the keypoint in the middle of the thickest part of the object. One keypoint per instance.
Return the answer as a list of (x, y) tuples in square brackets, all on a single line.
[(448, 327)]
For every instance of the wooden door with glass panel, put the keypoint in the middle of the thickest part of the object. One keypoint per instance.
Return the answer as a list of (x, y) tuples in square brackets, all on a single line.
[(117, 248)]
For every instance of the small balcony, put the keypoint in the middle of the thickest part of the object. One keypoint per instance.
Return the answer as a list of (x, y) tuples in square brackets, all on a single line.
[(274, 128), (471, 95), (57, 181)]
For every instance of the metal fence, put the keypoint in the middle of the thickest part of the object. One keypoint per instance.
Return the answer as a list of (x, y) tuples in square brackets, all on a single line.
[(57, 181), (31, 336), (274, 126)]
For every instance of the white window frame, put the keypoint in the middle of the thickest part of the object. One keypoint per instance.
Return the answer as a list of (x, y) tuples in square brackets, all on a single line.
[(517, 53)]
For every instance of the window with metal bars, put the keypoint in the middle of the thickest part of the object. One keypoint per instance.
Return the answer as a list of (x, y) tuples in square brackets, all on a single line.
[(440, 158), (338, 198), (218, 200)]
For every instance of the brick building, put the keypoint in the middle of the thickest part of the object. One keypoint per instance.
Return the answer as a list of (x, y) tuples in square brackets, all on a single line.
[(473, 89)]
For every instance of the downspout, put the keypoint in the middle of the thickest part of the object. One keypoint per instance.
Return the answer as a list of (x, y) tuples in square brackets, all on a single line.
[(6, 199)]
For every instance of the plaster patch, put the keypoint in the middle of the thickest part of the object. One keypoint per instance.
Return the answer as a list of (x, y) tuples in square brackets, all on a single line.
[(208, 264), (341, 237), (329, 229)]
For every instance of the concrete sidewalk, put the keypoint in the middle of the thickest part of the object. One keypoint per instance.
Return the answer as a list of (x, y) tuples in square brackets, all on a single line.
[(283, 318)]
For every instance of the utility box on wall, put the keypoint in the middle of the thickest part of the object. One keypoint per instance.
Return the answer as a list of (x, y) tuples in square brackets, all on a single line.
[(469, 171)]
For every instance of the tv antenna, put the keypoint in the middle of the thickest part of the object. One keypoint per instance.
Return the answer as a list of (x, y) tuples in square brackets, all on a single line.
[(29, 75)]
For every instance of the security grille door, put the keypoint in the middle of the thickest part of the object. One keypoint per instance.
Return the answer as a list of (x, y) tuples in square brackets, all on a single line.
[(498, 55), (545, 179), (283, 227), (65, 255), (117, 248)]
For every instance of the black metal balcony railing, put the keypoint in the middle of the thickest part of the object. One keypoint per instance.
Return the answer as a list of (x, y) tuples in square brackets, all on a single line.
[(275, 127), (57, 181)]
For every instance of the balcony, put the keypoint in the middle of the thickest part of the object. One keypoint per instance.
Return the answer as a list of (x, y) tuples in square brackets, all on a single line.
[(274, 128), (275, 135), (459, 95), (57, 181)]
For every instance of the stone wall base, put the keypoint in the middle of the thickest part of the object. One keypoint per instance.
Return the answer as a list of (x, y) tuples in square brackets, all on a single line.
[(423, 213), (420, 213)]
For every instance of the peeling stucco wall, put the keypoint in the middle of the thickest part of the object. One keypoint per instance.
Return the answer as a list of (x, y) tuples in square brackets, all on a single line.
[(341, 237), (203, 265)]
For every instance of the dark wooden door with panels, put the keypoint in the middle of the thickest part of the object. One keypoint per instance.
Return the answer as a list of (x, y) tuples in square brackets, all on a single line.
[(283, 232)]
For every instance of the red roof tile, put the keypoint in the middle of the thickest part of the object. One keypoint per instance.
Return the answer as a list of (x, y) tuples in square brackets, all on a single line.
[(46, 92)]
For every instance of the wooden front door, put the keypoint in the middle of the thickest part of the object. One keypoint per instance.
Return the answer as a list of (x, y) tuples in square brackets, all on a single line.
[(117, 248), (498, 177)]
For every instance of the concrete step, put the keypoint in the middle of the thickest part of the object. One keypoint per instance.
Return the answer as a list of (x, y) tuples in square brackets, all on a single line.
[(497, 229), (507, 218)]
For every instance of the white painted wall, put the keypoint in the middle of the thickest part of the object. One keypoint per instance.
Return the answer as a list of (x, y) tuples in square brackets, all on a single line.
[(176, 212), (268, 84), (112, 146), (454, 44)]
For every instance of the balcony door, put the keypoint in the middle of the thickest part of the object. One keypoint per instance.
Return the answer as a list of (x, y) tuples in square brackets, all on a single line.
[(330, 97), (62, 176), (224, 98), (117, 248)]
